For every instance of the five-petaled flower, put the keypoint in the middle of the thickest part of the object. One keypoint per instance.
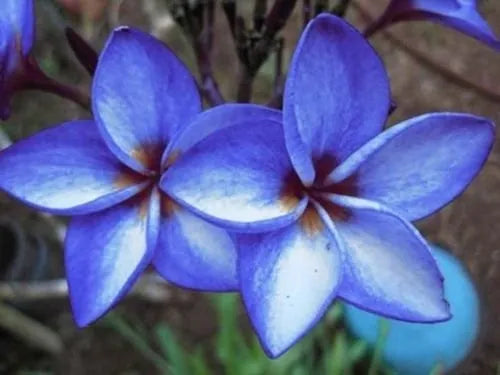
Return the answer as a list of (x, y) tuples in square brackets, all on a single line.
[(324, 211), (461, 15), (106, 174), (17, 31)]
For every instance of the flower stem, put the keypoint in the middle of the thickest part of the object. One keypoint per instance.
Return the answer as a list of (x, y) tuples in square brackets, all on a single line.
[(29, 330), (255, 46), (203, 48), (383, 331), (425, 60), (245, 85), (150, 288), (340, 8), (198, 23), (276, 100), (85, 54), (37, 80), (259, 14), (62, 90), (306, 12)]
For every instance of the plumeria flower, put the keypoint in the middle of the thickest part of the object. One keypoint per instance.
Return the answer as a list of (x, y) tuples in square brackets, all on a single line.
[(324, 211), (461, 15), (17, 31), (106, 174)]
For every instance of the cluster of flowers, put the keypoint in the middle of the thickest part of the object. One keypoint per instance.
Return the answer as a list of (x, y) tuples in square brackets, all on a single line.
[(291, 208)]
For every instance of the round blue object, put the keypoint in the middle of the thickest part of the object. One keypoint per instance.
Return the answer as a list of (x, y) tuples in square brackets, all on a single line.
[(415, 348)]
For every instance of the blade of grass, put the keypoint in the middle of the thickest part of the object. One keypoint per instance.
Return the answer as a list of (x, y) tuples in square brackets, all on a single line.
[(172, 350), (334, 315), (357, 351), (383, 331), (117, 323), (335, 359), (226, 350), (225, 307), (198, 364), (290, 360)]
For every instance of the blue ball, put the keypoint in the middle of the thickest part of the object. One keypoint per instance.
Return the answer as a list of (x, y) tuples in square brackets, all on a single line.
[(415, 348)]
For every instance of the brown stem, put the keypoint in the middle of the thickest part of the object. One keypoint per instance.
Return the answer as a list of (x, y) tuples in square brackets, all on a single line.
[(321, 6), (229, 8), (341, 8), (259, 14), (245, 85), (202, 45), (198, 23), (29, 330), (427, 61), (254, 49), (37, 80), (64, 91), (85, 54), (279, 80), (208, 84), (149, 288), (306, 12), (278, 16), (278, 67)]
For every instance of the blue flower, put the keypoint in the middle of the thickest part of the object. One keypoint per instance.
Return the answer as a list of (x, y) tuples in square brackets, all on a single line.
[(324, 211), (446, 344), (461, 15), (17, 32), (106, 173)]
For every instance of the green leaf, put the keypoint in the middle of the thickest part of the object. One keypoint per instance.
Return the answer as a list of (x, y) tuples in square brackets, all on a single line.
[(383, 331), (357, 351), (288, 361), (172, 350), (334, 315), (198, 364), (225, 306), (337, 357)]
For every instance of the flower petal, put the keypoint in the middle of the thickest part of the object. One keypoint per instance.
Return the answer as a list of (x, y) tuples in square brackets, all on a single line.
[(105, 253), (388, 267), (418, 348), (461, 15), (142, 96), (17, 24), (288, 278), (193, 253), (154, 216), (420, 165), (67, 170), (239, 177), (336, 96), (17, 29), (217, 118)]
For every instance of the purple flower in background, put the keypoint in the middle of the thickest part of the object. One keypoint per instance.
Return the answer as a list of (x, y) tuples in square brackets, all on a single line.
[(106, 174), (461, 15), (17, 33), (324, 211)]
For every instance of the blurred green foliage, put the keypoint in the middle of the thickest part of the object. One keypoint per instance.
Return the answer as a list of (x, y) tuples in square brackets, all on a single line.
[(328, 349)]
